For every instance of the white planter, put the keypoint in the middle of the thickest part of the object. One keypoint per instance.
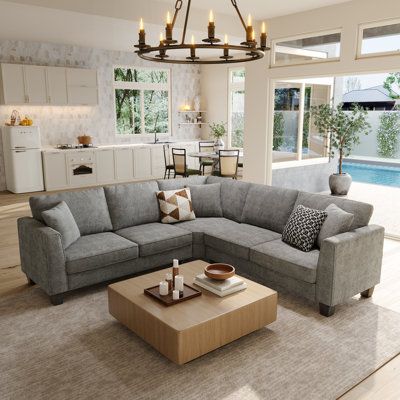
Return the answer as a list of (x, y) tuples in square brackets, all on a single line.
[(219, 145)]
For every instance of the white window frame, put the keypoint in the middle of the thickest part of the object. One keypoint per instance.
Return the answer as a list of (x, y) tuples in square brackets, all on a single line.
[(275, 43), (375, 24), (300, 161), (233, 87), (142, 87)]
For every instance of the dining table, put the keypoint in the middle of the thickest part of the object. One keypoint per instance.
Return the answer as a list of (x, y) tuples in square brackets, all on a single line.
[(210, 156)]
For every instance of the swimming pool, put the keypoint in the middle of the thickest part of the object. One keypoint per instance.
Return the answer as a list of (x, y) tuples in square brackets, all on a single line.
[(372, 173)]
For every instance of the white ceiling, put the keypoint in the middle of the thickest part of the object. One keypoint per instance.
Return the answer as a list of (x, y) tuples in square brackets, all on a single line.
[(260, 9)]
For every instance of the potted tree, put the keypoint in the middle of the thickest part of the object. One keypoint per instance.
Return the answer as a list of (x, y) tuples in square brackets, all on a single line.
[(342, 130), (218, 131)]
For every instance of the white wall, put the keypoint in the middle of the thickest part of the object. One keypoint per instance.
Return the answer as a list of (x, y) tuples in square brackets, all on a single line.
[(260, 77)]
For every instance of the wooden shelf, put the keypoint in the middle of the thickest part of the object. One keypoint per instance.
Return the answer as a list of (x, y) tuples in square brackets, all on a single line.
[(192, 123), (191, 111)]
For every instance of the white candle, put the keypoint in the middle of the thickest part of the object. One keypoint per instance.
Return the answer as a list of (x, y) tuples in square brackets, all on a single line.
[(175, 263), (163, 288), (175, 295), (179, 283)]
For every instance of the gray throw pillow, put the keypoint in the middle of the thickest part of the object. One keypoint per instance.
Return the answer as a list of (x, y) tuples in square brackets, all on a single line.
[(303, 227), (206, 200), (61, 219), (338, 221)]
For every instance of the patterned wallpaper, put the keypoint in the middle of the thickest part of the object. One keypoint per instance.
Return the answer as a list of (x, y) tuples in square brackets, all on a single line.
[(64, 124)]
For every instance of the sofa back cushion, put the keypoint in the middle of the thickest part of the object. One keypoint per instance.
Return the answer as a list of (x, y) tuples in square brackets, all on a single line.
[(362, 211), (233, 196), (269, 207), (88, 207), (133, 204), (206, 200), (180, 183)]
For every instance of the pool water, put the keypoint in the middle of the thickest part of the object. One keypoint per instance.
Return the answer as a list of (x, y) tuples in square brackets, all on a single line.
[(375, 174)]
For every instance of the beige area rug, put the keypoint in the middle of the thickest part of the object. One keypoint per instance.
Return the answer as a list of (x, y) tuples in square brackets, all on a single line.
[(78, 351)]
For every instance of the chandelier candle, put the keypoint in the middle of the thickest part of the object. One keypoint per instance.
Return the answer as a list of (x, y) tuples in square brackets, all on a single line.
[(263, 37), (249, 30), (162, 50), (142, 34), (168, 28), (211, 26)]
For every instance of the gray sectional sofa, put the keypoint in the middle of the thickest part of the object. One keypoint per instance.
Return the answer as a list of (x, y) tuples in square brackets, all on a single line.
[(122, 235)]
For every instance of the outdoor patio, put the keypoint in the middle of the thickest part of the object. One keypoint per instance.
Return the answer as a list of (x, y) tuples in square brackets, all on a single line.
[(386, 201)]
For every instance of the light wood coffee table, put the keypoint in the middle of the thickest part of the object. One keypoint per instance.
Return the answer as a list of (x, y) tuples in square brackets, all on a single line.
[(190, 329)]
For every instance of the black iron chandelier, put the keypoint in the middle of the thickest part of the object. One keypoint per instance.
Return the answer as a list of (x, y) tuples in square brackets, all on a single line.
[(249, 50)]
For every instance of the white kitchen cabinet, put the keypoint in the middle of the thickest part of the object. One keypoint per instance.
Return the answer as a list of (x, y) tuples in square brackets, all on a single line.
[(56, 86), (39, 85), (157, 162), (123, 163), (35, 84), (105, 165), (142, 162), (12, 88), (82, 86), (55, 170)]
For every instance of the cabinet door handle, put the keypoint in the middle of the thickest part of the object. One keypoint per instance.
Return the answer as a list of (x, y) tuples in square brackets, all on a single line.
[(49, 100)]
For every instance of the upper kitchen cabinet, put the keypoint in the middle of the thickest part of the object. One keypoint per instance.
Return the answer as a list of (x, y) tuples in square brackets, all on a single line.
[(12, 88), (82, 86), (56, 86), (39, 85), (35, 84)]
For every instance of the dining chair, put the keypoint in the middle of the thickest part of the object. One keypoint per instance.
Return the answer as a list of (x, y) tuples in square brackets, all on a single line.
[(167, 161), (205, 147), (228, 163), (180, 164)]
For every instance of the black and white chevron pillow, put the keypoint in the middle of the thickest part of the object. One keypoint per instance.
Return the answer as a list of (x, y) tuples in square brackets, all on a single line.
[(302, 229)]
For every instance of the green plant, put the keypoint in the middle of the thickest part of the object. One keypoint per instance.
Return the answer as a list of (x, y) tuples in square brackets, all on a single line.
[(393, 80), (341, 128), (306, 129), (388, 133), (279, 130), (218, 130)]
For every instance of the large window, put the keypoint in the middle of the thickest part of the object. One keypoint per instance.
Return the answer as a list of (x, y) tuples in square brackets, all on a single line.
[(379, 38), (142, 100), (236, 108), (294, 136), (306, 49)]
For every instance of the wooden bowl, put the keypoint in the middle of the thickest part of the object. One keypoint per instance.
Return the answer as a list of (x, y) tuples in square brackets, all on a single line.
[(219, 271)]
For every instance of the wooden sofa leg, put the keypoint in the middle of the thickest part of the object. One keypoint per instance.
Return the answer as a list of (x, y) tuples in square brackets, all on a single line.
[(56, 299), (325, 310), (30, 281), (368, 293)]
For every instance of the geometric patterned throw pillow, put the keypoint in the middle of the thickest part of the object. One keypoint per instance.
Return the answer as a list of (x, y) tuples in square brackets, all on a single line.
[(175, 206), (303, 227)]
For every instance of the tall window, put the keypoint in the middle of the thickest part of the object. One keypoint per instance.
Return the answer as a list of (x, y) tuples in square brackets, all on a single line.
[(142, 100), (236, 107), (295, 135)]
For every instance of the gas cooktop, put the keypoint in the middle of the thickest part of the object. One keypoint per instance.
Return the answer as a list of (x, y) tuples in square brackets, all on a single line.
[(74, 146)]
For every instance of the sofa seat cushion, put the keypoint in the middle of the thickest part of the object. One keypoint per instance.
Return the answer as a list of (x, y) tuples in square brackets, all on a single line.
[(97, 251), (156, 238), (286, 260), (237, 240), (200, 226)]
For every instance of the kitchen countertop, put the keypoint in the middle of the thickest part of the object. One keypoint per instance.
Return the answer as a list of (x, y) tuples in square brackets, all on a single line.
[(51, 149)]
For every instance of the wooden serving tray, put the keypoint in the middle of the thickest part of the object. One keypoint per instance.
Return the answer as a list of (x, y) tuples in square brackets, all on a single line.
[(188, 293)]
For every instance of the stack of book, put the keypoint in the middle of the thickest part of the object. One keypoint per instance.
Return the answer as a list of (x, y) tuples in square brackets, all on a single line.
[(220, 288)]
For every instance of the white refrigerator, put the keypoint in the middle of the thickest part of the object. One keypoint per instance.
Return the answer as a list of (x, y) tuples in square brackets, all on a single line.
[(23, 159)]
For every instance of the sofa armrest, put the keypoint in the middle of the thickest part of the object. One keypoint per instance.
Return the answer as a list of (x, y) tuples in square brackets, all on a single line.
[(349, 263), (42, 255)]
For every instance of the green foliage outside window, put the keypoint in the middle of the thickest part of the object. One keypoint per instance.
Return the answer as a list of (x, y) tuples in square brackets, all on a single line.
[(392, 84), (388, 133), (130, 117), (279, 130)]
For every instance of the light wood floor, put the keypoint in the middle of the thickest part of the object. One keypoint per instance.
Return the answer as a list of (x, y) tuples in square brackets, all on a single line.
[(383, 384)]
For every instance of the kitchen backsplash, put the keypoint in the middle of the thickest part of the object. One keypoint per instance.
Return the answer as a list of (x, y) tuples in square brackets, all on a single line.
[(64, 124)]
